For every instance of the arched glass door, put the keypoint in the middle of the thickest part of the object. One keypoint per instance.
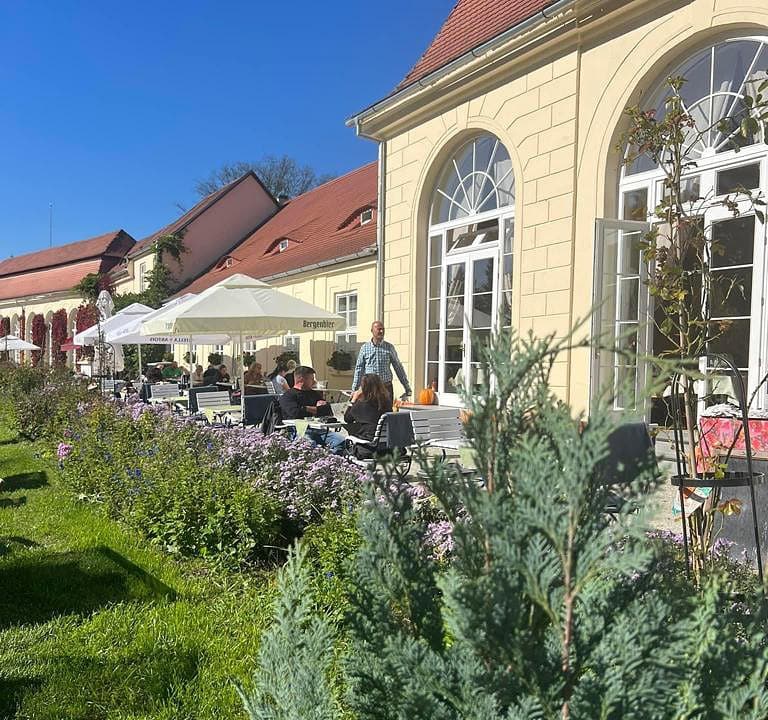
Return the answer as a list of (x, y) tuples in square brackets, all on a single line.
[(469, 274)]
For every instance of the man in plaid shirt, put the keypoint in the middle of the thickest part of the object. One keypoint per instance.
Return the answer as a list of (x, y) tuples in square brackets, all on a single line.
[(376, 356)]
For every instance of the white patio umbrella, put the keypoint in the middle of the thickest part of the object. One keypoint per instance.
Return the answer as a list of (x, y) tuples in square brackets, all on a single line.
[(90, 336), (12, 342), (131, 332), (246, 308)]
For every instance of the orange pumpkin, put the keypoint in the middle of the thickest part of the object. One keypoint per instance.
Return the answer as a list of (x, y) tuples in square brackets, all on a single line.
[(427, 397)]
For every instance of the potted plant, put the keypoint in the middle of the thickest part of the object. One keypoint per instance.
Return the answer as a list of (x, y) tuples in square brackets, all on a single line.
[(681, 251), (340, 360), (215, 358)]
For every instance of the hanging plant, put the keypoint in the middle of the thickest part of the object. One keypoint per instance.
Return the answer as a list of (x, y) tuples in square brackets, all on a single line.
[(86, 317), (39, 331), (58, 338)]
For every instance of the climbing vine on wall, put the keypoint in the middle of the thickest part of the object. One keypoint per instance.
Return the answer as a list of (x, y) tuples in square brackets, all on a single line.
[(86, 317), (58, 338), (5, 326), (39, 332)]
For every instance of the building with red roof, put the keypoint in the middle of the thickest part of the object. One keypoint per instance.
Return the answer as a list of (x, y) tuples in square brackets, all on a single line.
[(320, 247), (506, 200), (214, 225), (42, 282)]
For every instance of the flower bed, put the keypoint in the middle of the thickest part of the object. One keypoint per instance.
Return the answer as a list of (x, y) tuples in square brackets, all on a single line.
[(230, 495)]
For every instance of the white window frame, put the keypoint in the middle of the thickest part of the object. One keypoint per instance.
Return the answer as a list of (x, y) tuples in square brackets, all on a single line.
[(347, 338), (366, 216), (142, 276), (708, 165), (467, 255)]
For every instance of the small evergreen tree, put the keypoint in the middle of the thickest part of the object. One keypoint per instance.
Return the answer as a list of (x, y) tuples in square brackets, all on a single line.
[(547, 610), (295, 655)]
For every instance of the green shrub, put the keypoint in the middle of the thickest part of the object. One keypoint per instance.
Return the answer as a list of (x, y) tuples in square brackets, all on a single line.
[(331, 546), (164, 477), (39, 402), (547, 610)]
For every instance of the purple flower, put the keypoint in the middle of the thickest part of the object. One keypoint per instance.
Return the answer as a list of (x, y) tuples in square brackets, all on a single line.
[(63, 450)]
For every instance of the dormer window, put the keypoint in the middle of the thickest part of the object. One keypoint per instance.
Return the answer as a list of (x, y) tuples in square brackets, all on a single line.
[(229, 262), (282, 246), (366, 216)]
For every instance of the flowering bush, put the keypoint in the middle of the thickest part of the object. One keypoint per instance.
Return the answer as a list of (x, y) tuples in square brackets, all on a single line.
[(40, 403), (306, 480)]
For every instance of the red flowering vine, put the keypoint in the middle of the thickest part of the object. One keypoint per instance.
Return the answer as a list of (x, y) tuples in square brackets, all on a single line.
[(86, 317), (58, 338), (39, 332)]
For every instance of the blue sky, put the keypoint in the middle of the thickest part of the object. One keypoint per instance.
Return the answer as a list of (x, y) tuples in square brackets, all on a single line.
[(113, 110)]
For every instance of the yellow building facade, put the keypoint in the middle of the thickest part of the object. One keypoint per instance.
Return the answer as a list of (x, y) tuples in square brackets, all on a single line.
[(553, 96)]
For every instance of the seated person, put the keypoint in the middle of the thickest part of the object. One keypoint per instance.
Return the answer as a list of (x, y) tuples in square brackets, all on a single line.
[(277, 376), (303, 401), (254, 374), (289, 374), (369, 403), (172, 371), (211, 375), (223, 374), (154, 374), (197, 377)]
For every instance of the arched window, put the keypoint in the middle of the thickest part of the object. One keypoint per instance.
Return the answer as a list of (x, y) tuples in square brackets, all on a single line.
[(723, 163), (469, 264)]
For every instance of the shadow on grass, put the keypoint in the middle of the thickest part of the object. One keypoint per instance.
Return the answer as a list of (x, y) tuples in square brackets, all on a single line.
[(12, 691), (135, 683), (36, 587), (13, 502), (24, 481), (9, 440), (12, 543)]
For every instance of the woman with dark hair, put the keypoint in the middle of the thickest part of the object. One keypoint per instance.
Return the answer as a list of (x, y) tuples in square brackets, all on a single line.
[(277, 376), (369, 403)]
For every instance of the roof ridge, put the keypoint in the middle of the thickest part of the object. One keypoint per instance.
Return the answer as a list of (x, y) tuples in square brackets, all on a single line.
[(113, 233)]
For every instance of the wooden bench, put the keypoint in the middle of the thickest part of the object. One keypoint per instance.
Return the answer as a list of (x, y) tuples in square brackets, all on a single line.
[(213, 404), (440, 428), (164, 392)]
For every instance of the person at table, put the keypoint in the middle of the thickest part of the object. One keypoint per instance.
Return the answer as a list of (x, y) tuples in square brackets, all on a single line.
[(172, 371), (302, 402), (211, 375), (290, 373), (154, 374), (254, 375), (369, 403), (198, 376), (277, 376), (379, 357), (224, 375)]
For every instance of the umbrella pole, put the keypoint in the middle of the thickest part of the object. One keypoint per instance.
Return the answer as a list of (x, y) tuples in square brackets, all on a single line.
[(138, 348), (242, 381)]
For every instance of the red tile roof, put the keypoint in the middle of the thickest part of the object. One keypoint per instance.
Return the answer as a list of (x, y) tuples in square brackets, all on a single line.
[(320, 226), (189, 216), (471, 23), (47, 280), (111, 244)]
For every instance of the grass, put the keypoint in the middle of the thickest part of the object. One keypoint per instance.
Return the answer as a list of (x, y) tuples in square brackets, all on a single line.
[(96, 624)]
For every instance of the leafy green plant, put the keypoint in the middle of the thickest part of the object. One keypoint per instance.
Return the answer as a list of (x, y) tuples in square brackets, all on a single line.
[(682, 250), (215, 358), (340, 360), (547, 610)]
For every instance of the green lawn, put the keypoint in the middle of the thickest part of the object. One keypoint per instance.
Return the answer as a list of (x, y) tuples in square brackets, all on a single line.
[(94, 624)]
